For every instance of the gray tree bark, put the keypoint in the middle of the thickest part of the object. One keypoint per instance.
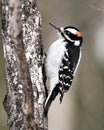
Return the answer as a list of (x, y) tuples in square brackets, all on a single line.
[(24, 57)]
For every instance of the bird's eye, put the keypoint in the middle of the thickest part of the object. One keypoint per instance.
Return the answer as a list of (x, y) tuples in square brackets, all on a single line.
[(67, 32)]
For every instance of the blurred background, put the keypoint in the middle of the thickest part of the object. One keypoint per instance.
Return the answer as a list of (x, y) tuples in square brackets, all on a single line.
[(83, 105)]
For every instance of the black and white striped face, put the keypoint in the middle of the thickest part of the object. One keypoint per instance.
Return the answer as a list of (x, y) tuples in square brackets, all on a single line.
[(72, 34)]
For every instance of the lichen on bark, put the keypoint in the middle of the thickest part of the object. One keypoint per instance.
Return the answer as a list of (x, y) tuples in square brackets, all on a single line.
[(23, 54)]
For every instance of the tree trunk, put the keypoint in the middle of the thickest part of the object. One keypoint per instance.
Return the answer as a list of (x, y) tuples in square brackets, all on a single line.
[(24, 57)]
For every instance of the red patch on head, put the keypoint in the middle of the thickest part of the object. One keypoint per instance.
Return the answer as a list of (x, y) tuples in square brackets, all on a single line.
[(79, 34)]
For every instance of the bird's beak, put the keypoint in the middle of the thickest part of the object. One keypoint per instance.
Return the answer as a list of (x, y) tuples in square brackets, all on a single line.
[(60, 29)]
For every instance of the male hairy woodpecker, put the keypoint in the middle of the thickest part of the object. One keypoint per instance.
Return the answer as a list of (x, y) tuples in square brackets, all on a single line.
[(62, 60)]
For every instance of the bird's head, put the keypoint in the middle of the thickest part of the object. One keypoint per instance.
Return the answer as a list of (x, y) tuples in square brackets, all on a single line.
[(70, 34)]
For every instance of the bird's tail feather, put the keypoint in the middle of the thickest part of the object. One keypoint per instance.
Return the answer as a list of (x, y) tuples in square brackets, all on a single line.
[(49, 99)]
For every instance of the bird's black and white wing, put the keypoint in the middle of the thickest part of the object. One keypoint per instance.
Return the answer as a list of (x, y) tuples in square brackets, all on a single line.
[(65, 74)]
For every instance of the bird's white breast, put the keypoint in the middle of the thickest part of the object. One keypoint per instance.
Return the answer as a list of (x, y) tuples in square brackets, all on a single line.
[(54, 58)]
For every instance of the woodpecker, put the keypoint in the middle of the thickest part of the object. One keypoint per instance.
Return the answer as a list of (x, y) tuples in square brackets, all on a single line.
[(63, 58)]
